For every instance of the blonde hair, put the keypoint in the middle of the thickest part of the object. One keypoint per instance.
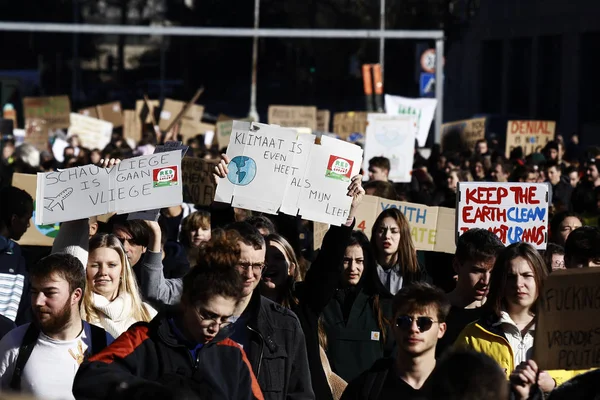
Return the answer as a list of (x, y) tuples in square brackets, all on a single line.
[(127, 282)]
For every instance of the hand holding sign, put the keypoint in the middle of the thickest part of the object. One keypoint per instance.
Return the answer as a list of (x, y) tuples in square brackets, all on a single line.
[(221, 170)]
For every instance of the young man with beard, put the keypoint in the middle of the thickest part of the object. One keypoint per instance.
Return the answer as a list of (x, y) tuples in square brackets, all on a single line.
[(476, 252), (42, 358), (420, 312)]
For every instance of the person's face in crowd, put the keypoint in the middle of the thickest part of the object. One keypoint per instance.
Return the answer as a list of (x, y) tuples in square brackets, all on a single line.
[(479, 170), (531, 177), (417, 333), (53, 302), (498, 174), (251, 265), (561, 151), (474, 278), (388, 237), (278, 267), (553, 175), (20, 224), (202, 322), (553, 154), (95, 157), (133, 251), (592, 173), (568, 225), (541, 176), (558, 261), (353, 265), (8, 150), (103, 272), (521, 290), (482, 147), (74, 141), (199, 236), (453, 181), (574, 178), (378, 174), (69, 152)]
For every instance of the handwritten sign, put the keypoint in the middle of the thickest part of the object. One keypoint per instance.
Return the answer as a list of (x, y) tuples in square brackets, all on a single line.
[(431, 228), (89, 112), (567, 332), (293, 116), (92, 132), (515, 212), (462, 135), (422, 109), (54, 110), (347, 123), (111, 112), (140, 183), (391, 136), (198, 183), (532, 136), (191, 124), (274, 169)]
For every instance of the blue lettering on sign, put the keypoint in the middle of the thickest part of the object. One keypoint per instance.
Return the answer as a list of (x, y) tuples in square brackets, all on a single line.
[(413, 214), (521, 215)]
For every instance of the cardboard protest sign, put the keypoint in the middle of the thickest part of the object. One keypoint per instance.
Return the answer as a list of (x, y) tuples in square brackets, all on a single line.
[(92, 132), (132, 126), (323, 119), (422, 109), (54, 110), (347, 123), (567, 331), (190, 121), (36, 133), (462, 135), (198, 183), (111, 112), (140, 183), (89, 112), (431, 228), (393, 137), (139, 107), (274, 169), (293, 116), (532, 136), (319, 231), (36, 235), (515, 212)]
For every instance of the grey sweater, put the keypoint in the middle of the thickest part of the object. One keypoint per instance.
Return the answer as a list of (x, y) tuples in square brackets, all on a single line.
[(153, 284)]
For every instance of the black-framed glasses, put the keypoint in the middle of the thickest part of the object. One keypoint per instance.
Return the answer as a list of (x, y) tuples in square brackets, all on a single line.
[(256, 267), (213, 320), (406, 321)]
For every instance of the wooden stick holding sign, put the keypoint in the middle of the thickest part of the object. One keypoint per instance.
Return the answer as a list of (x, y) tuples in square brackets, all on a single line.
[(186, 108)]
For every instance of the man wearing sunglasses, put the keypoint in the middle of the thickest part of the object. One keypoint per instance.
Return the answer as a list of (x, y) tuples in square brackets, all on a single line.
[(420, 312), (184, 352)]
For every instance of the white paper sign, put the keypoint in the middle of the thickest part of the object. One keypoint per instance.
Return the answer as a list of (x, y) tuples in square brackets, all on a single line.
[(140, 183), (515, 212), (93, 133), (393, 137), (275, 169), (422, 109)]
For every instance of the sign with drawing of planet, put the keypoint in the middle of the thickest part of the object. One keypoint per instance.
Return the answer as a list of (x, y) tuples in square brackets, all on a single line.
[(242, 170)]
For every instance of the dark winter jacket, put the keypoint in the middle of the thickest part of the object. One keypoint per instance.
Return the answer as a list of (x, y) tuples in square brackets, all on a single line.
[(151, 355), (14, 282)]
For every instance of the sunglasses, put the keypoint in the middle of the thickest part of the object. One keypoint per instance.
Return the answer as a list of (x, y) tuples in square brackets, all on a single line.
[(423, 323)]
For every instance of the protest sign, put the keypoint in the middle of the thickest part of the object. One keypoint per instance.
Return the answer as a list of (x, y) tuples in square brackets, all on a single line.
[(422, 109), (93, 133), (567, 331), (54, 110), (393, 137), (532, 136), (323, 119), (36, 133), (293, 116), (111, 112), (152, 104), (431, 228), (347, 123), (191, 124), (36, 235), (319, 231), (198, 181), (462, 135), (274, 169), (89, 112), (132, 126), (140, 183), (515, 212)]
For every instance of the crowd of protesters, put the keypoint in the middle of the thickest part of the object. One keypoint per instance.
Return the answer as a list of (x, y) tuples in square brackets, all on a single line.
[(219, 303)]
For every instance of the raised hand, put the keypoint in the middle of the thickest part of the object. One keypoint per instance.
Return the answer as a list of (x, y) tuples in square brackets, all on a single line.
[(221, 169)]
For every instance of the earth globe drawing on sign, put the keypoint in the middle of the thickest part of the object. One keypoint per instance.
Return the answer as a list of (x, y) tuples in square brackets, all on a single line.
[(391, 137), (242, 170), (50, 230)]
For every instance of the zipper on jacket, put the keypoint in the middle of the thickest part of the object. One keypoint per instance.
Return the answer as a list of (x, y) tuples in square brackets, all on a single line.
[(262, 349), (510, 350)]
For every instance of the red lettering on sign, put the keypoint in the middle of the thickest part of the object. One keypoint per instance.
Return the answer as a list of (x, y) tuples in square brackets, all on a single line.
[(486, 195), (525, 195), (529, 127)]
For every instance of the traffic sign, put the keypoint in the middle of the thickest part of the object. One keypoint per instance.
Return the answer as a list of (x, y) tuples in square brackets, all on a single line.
[(427, 84), (428, 60)]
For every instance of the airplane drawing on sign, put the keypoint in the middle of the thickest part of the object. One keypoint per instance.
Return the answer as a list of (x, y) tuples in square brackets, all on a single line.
[(58, 200)]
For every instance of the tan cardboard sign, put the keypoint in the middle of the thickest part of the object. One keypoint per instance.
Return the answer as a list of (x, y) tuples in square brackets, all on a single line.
[(111, 112), (293, 116), (346, 123), (319, 231), (89, 112), (567, 332), (532, 136), (462, 135), (323, 120), (54, 110), (36, 133), (132, 125), (198, 182), (139, 106), (191, 122)]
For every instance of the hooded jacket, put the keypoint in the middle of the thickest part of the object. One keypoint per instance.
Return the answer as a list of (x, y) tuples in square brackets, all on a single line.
[(152, 355)]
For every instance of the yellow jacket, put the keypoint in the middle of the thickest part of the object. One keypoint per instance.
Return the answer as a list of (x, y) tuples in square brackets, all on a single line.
[(481, 336)]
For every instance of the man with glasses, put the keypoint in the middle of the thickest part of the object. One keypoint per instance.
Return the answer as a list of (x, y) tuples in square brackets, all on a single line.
[(420, 312), (185, 352)]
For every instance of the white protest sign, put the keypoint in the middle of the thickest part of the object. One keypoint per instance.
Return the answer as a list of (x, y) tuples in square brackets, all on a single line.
[(515, 212), (422, 109), (92, 132), (393, 137), (140, 183)]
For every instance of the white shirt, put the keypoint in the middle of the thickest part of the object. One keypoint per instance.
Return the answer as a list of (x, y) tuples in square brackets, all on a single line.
[(391, 278), (51, 368), (522, 345)]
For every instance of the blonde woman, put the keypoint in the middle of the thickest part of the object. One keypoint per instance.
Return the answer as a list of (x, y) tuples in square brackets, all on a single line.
[(112, 299)]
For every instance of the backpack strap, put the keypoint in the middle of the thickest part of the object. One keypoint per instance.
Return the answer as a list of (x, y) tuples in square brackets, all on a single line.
[(29, 341), (98, 339)]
